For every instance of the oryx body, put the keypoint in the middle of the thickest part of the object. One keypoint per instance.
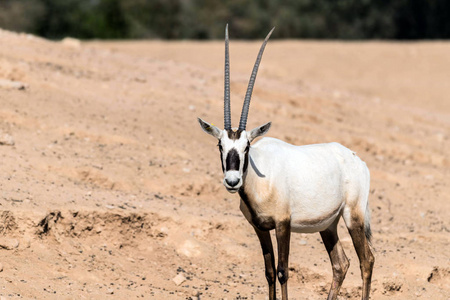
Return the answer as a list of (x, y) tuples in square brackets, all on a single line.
[(295, 189), (309, 185)]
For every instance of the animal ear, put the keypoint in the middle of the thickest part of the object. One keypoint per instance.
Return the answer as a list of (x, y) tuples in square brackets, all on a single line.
[(210, 129), (258, 131)]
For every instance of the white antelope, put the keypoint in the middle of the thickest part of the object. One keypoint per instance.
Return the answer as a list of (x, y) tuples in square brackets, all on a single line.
[(295, 189)]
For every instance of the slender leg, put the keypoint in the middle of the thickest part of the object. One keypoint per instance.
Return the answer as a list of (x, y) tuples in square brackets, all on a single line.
[(366, 258), (339, 261), (269, 260), (267, 249), (283, 233)]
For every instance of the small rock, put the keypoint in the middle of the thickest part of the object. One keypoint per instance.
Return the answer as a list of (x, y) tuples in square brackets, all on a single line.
[(6, 139), (71, 42), (381, 158), (429, 177), (140, 79), (195, 293), (190, 248), (164, 230), (15, 85), (179, 279), (1, 267), (9, 244), (303, 242)]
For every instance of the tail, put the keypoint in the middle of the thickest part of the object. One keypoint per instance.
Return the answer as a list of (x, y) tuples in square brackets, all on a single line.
[(367, 230)]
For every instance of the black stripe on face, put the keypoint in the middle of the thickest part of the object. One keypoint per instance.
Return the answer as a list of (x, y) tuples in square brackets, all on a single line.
[(233, 161), (246, 157), (221, 155), (221, 161)]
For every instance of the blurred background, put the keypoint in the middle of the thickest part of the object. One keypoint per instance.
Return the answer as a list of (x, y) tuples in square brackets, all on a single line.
[(202, 19)]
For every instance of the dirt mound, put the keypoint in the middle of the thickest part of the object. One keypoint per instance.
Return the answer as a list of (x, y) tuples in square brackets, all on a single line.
[(440, 276)]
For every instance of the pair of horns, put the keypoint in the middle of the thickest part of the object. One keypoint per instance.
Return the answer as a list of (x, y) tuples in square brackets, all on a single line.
[(251, 83)]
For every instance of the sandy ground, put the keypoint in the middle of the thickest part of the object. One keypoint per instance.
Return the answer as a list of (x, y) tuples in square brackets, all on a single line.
[(109, 188)]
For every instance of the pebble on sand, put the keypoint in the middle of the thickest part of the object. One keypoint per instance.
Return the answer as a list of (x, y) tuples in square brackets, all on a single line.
[(71, 42), (190, 248), (9, 244), (179, 279), (6, 139), (14, 85)]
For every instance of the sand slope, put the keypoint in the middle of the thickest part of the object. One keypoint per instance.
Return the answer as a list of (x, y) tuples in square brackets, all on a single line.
[(109, 187)]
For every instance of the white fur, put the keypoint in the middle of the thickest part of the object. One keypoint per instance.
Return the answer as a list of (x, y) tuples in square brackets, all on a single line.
[(311, 185)]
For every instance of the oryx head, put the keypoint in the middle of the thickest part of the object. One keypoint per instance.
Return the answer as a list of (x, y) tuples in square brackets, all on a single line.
[(234, 144)]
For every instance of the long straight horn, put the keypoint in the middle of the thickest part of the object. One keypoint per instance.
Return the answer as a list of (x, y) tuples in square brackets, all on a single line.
[(251, 83), (226, 98)]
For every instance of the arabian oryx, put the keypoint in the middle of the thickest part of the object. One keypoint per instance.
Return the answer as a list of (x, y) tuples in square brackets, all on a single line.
[(295, 188)]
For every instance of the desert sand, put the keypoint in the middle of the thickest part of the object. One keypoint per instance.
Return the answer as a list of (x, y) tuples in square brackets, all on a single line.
[(109, 188)]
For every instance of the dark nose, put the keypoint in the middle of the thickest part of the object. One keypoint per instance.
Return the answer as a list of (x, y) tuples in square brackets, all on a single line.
[(232, 183)]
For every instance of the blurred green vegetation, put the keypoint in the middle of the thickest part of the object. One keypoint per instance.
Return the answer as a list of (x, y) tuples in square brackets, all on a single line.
[(205, 19)]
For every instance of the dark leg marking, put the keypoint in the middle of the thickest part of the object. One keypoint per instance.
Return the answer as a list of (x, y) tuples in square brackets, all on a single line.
[(283, 233), (339, 260), (269, 260), (365, 255)]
